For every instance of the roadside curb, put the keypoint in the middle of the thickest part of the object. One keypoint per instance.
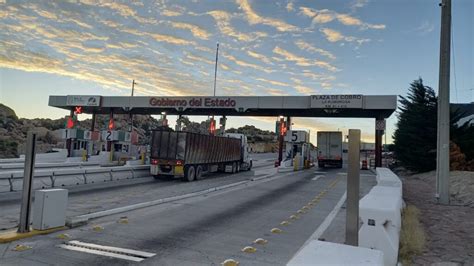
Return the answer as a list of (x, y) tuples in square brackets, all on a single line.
[(12, 235)]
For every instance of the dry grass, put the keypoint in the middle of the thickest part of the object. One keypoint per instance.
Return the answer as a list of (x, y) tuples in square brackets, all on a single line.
[(412, 235)]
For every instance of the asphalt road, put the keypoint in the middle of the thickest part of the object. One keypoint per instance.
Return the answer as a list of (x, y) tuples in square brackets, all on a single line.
[(95, 197), (203, 230)]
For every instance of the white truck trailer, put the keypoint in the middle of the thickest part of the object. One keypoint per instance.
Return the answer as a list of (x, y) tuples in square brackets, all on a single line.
[(329, 148), (190, 156)]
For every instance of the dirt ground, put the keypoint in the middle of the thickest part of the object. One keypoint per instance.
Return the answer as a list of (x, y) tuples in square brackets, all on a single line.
[(449, 229)]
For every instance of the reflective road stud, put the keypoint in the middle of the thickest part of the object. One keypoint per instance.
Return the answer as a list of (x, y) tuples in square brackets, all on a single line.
[(249, 249), (230, 262), (260, 241), (276, 230)]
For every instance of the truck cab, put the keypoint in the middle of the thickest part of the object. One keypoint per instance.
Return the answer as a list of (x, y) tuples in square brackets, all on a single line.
[(246, 160)]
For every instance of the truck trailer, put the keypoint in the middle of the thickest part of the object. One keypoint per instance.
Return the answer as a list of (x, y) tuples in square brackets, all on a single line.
[(190, 156), (329, 148)]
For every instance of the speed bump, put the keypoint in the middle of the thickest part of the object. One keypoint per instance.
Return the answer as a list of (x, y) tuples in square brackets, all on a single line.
[(21, 247), (260, 241), (230, 262), (249, 249), (98, 228), (294, 217), (123, 220), (63, 236), (276, 230)]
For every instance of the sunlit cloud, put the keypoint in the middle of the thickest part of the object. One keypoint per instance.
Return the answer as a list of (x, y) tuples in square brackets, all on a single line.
[(335, 36), (261, 57), (325, 16), (303, 61), (195, 30), (254, 18), (290, 6), (246, 64), (223, 18), (273, 82), (312, 49)]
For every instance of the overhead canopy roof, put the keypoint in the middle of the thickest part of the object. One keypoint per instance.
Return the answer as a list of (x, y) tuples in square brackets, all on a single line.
[(371, 106)]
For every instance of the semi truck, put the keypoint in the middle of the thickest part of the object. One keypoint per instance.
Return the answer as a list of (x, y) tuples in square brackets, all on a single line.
[(329, 148), (190, 156)]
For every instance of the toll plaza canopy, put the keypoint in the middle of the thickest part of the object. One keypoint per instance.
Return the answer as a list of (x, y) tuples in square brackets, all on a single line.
[(369, 106)]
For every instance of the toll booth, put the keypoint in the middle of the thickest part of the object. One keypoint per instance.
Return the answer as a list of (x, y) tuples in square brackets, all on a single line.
[(297, 150), (121, 144), (80, 142)]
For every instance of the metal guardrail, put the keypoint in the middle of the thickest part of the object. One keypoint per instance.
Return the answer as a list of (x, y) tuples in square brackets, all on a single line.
[(11, 176), (14, 166)]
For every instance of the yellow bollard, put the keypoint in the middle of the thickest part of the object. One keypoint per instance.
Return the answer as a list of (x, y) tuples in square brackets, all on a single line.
[(142, 157), (84, 155)]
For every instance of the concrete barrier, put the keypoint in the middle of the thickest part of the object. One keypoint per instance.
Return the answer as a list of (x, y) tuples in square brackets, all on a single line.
[(380, 213), (327, 253), (13, 181)]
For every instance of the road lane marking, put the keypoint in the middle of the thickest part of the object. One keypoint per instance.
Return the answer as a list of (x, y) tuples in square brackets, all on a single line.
[(276, 230), (327, 221), (260, 241), (317, 177), (108, 251), (249, 249), (320, 172)]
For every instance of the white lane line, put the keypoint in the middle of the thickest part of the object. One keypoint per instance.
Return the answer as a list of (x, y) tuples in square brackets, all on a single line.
[(114, 252), (317, 177), (114, 249), (320, 172), (325, 224), (360, 174)]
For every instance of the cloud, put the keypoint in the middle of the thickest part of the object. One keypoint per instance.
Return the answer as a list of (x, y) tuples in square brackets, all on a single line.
[(324, 16), (304, 90), (424, 28), (275, 92), (261, 57), (246, 64), (290, 6), (195, 30), (358, 4), (273, 82), (335, 36), (171, 39), (302, 61), (223, 18), (312, 49), (254, 18)]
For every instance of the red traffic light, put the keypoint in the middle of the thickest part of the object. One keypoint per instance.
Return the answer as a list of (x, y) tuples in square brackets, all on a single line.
[(212, 126), (70, 122), (78, 110), (111, 124)]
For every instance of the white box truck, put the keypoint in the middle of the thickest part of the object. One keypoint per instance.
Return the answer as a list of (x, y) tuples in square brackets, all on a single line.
[(330, 148)]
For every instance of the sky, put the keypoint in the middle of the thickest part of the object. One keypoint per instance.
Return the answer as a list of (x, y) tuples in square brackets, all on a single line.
[(286, 47)]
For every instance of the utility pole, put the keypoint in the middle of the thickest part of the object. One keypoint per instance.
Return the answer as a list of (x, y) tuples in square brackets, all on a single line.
[(215, 70), (131, 120), (442, 152)]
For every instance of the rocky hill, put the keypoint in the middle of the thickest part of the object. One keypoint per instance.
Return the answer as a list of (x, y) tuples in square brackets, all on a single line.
[(13, 130)]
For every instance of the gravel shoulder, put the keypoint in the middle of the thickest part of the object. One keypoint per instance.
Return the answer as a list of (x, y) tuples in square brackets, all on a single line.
[(449, 229)]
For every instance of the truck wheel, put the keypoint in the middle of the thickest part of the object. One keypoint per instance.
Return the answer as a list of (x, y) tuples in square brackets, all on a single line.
[(198, 172), (189, 174), (250, 166), (234, 167), (321, 165)]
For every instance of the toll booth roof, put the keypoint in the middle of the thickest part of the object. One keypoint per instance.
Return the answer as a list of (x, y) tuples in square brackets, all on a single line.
[(336, 105)]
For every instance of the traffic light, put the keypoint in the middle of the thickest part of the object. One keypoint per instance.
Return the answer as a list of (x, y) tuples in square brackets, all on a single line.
[(78, 110), (282, 128), (212, 126), (111, 124)]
